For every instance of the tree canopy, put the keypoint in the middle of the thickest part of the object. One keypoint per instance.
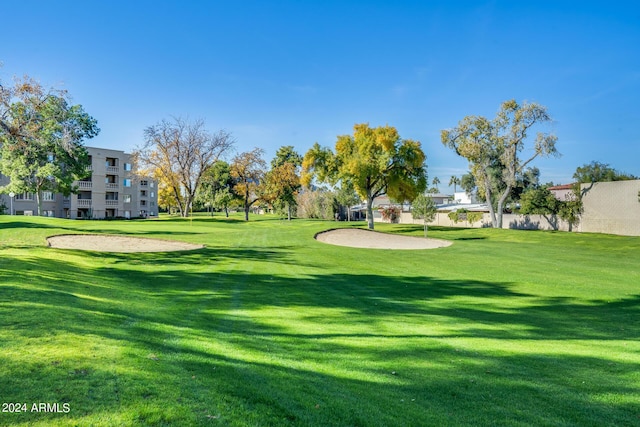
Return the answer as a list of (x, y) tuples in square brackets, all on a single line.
[(248, 169), (282, 182), (599, 172), (375, 161), (493, 149), (216, 187), (455, 181), (424, 208), (540, 201), (41, 139), (179, 152)]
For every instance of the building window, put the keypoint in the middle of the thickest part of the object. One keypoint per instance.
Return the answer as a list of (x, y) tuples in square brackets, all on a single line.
[(48, 213), (48, 196), (126, 198), (127, 167), (143, 193), (144, 182), (152, 194), (24, 196), (151, 184), (143, 203), (127, 182)]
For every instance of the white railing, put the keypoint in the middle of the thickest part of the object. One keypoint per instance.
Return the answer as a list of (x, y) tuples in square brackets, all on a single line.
[(112, 169), (84, 203), (85, 184), (111, 186), (111, 202)]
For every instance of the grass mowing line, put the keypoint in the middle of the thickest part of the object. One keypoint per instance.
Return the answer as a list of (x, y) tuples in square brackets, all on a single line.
[(267, 327)]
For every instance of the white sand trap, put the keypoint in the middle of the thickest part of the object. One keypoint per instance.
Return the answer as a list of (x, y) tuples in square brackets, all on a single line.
[(359, 238), (113, 243)]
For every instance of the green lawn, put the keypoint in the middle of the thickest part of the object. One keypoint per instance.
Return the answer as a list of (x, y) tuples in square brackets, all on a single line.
[(266, 326)]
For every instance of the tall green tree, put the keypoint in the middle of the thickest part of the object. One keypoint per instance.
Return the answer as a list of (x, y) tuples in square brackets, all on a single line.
[(374, 161), (216, 187), (424, 208), (41, 139), (286, 154), (499, 142)]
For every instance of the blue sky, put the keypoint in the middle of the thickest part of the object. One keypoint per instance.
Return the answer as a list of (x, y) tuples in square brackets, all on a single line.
[(279, 73)]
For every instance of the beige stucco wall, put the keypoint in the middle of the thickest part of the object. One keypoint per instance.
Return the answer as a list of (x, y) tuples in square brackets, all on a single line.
[(520, 222), (611, 207)]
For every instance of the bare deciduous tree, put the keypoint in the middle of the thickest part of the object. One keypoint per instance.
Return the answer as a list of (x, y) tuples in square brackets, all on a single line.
[(179, 152)]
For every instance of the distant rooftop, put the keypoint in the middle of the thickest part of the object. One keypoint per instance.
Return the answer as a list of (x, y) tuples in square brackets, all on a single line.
[(561, 187)]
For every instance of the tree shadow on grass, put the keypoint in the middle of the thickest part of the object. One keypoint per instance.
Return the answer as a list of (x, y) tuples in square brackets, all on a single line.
[(312, 350), (210, 255)]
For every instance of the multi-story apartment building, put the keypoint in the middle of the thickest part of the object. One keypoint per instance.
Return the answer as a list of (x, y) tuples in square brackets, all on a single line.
[(112, 190)]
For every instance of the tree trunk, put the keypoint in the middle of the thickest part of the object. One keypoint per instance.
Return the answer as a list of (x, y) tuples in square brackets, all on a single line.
[(492, 212), (289, 211), (370, 213), (226, 211), (503, 198), (177, 199), (247, 205), (38, 203)]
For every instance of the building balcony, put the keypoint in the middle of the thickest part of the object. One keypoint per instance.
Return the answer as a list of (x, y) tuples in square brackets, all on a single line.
[(112, 169), (85, 184), (111, 186), (84, 203), (111, 203)]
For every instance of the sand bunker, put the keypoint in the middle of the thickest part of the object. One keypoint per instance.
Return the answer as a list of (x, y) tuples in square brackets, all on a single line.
[(359, 238), (112, 243)]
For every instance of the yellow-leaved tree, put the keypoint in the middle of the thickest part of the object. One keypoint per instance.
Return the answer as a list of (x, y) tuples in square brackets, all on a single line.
[(375, 161)]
